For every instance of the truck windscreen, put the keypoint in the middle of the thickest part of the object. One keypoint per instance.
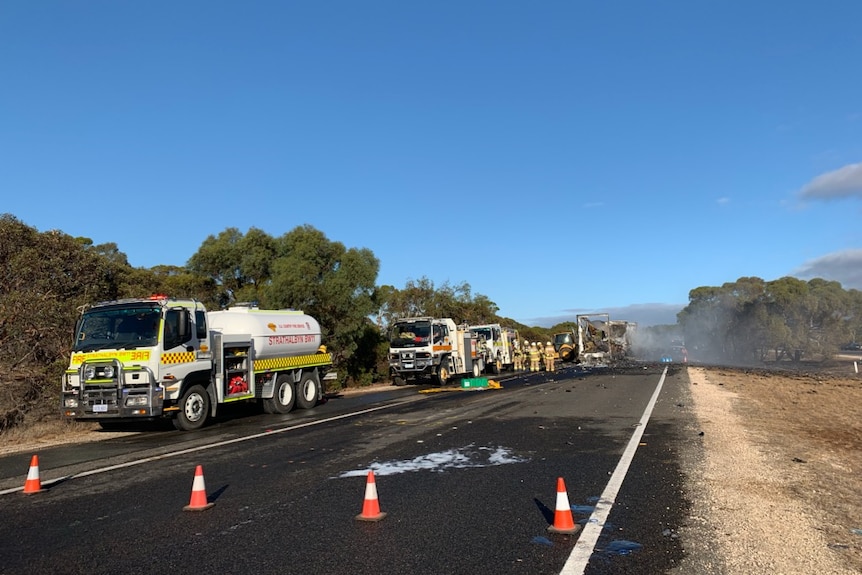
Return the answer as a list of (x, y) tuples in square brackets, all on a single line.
[(562, 338), (483, 333), (410, 334), (118, 328)]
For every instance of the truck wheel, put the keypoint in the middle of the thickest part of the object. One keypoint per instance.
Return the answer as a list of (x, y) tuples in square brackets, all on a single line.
[(194, 409), (498, 366), (442, 374), (283, 397), (398, 380), (308, 391), (476, 371)]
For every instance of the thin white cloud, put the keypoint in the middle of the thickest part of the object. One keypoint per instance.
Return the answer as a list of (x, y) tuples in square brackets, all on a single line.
[(841, 183), (723, 201), (845, 267)]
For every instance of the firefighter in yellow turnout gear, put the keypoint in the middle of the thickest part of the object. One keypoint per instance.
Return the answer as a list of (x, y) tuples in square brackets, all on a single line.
[(518, 356), (550, 354), (535, 357)]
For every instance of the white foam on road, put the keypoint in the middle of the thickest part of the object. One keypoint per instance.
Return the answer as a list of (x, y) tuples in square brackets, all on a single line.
[(461, 458)]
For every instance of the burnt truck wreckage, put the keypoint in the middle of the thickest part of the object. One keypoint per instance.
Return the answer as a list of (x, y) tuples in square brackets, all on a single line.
[(602, 340)]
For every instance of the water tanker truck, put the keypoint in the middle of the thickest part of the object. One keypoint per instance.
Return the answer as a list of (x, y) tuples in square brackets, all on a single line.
[(148, 358)]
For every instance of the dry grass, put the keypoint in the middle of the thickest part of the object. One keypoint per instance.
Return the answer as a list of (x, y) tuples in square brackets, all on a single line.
[(808, 426), (46, 434)]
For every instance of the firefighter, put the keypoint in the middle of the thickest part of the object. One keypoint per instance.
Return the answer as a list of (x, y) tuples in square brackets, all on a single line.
[(549, 357), (535, 357), (518, 356)]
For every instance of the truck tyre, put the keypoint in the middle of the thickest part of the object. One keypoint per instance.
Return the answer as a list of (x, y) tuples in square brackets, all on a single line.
[(476, 371), (398, 380), (194, 409), (283, 396), (442, 373), (497, 366), (307, 391)]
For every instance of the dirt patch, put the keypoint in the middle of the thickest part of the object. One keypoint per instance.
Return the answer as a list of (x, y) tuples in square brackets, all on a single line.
[(781, 480)]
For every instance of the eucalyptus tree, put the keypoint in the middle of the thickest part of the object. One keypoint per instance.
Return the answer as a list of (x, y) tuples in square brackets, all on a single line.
[(422, 298), (706, 321), (787, 318), (325, 279), (240, 264), (44, 278)]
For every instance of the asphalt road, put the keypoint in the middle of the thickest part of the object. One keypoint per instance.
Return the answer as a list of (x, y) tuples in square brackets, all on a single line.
[(467, 480)]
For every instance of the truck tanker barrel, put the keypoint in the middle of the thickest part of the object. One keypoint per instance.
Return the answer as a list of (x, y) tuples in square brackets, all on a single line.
[(273, 332)]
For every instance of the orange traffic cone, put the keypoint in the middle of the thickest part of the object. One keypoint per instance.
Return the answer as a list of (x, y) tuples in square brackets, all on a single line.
[(199, 493), (371, 507), (563, 520), (33, 483)]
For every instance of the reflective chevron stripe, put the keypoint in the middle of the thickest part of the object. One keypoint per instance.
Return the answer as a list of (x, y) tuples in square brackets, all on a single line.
[(181, 357), (278, 363)]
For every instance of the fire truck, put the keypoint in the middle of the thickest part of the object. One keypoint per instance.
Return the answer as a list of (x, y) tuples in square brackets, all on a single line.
[(147, 358), (432, 348), (499, 342)]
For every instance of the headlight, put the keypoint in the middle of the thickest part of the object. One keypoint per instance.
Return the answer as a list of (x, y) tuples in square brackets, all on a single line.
[(70, 402), (89, 372), (108, 372), (136, 400)]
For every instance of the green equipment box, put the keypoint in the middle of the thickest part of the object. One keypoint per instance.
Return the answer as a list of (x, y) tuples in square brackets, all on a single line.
[(471, 382)]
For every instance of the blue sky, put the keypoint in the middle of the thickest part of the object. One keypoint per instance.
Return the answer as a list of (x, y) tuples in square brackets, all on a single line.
[(560, 157)]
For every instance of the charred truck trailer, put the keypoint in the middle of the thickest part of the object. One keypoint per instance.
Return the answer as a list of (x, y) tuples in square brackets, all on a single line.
[(432, 348), (601, 340), (138, 359)]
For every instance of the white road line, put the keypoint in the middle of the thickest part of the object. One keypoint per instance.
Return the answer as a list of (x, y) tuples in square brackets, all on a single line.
[(208, 446), (577, 561)]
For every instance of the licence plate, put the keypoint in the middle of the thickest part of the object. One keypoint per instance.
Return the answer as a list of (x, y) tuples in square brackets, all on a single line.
[(100, 408), (408, 365)]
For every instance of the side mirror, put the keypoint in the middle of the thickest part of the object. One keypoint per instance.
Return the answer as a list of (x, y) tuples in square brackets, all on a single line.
[(185, 325)]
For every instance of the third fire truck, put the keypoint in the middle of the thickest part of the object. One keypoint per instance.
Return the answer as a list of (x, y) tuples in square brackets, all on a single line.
[(499, 342)]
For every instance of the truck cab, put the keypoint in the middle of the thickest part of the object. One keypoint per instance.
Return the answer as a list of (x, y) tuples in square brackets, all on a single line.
[(130, 357), (432, 348)]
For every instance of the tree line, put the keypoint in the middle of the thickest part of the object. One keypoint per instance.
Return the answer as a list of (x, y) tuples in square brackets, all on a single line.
[(788, 319), (48, 276)]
